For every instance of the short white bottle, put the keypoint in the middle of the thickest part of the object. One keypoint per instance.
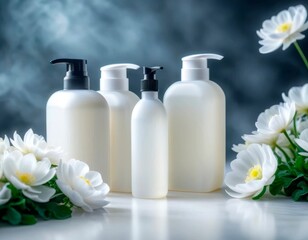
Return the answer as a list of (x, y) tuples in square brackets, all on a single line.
[(149, 141), (78, 119), (196, 116), (114, 88)]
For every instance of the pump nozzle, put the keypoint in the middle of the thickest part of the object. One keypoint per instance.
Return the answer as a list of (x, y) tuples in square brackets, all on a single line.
[(76, 73), (114, 76), (150, 83), (194, 67)]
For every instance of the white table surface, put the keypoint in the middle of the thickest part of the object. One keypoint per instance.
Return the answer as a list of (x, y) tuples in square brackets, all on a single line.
[(180, 216)]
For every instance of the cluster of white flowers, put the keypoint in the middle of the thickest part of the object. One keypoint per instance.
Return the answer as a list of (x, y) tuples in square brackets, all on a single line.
[(256, 163), (29, 163)]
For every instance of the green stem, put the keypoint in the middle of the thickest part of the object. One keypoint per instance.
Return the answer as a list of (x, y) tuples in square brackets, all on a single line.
[(298, 48), (3, 180), (288, 161), (289, 139)]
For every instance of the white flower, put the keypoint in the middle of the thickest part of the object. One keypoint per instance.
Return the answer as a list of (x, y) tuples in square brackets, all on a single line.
[(253, 169), (33, 143), (276, 119), (84, 188), (240, 147), (4, 147), (29, 175), (283, 29), (302, 141), (298, 95), (257, 137), (5, 193)]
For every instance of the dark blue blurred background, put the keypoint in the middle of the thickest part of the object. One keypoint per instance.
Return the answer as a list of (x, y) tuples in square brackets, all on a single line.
[(144, 32)]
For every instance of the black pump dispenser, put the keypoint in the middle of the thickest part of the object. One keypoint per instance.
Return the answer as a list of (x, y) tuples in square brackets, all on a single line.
[(76, 73), (150, 83)]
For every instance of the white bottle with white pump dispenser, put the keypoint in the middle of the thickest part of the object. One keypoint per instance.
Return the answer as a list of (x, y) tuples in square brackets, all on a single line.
[(114, 87), (196, 115), (149, 141), (78, 119)]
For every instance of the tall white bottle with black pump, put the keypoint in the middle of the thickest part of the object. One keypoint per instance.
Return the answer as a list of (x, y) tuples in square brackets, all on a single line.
[(78, 119), (196, 116), (114, 87), (149, 141)]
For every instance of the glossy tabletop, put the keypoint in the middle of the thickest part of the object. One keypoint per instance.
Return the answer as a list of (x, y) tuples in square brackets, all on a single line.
[(179, 216)]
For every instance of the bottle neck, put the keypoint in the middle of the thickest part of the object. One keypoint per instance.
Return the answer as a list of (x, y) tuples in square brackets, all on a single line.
[(114, 84), (149, 95), (190, 74)]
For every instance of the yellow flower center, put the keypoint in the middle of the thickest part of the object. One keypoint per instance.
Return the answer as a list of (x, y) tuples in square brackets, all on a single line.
[(284, 27), (26, 178), (87, 181), (254, 173)]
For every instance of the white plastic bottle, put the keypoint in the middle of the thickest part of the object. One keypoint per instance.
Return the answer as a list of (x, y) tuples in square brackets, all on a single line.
[(114, 87), (149, 141), (196, 116), (78, 119)]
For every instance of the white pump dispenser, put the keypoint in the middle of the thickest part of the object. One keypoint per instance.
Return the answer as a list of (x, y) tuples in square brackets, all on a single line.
[(196, 118), (78, 119), (114, 87), (195, 66), (149, 141)]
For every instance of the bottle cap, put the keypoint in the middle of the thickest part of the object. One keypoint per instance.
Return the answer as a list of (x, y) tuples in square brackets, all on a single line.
[(150, 83), (76, 73), (194, 67), (114, 76)]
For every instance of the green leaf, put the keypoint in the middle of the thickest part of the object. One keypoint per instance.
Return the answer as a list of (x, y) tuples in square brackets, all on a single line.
[(276, 187), (283, 167), (289, 181), (300, 193), (20, 203), (59, 211), (16, 193), (28, 219), (260, 194), (299, 163), (43, 212), (283, 173), (12, 216)]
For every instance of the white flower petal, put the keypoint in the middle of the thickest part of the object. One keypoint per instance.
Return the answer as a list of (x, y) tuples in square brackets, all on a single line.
[(5, 194), (17, 142), (304, 27), (94, 177), (238, 195), (28, 163), (103, 189), (305, 154), (28, 138), (269, 48), (17, 183), (50, 174), (43, 193), (238, 148)]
